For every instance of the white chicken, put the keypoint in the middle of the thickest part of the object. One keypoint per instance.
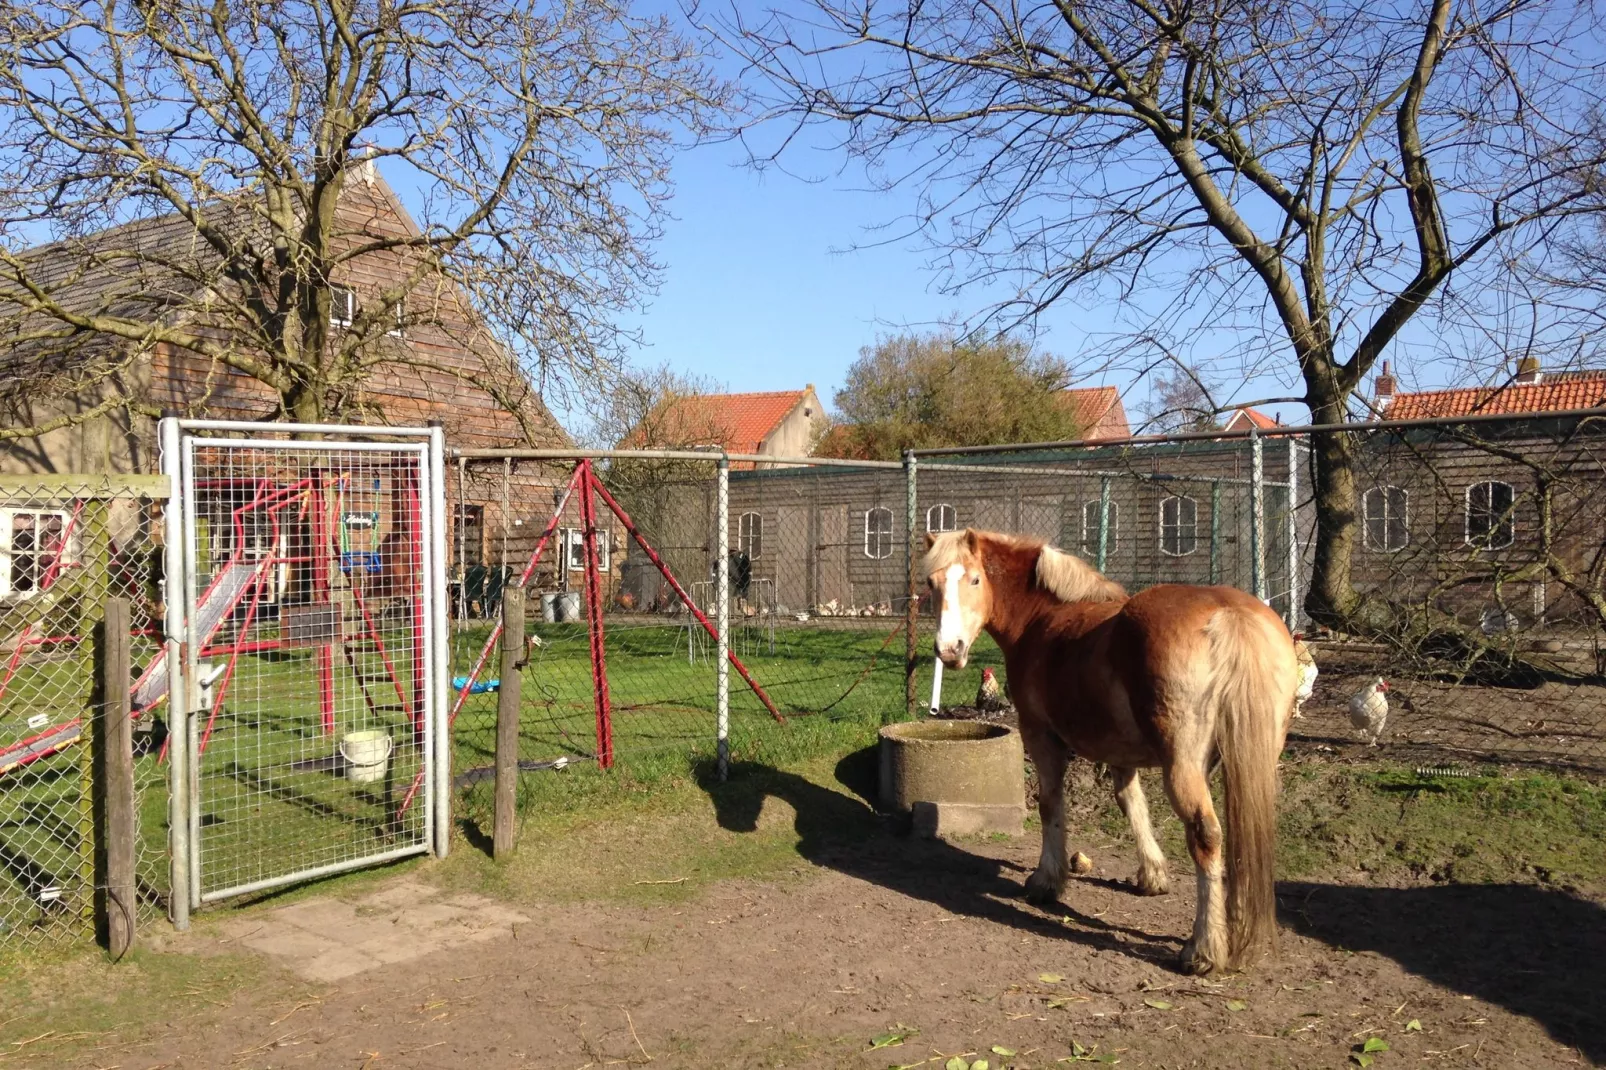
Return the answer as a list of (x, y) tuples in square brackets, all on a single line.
[(1369, 709), (1307, 674), (990, 697)]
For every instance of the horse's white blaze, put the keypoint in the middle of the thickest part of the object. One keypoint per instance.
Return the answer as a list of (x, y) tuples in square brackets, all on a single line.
[(951, 624)]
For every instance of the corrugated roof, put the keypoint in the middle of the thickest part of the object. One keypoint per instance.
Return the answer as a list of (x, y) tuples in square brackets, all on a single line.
[(1572, 390)]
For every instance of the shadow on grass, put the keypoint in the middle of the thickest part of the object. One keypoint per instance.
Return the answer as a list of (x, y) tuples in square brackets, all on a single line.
[(846, 834), (1535, 951)]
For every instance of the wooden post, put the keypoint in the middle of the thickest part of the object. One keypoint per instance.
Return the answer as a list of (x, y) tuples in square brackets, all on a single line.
[(507, 722), (113, 741)]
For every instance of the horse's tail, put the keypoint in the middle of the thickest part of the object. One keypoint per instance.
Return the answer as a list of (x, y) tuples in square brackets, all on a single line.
[(1255, 681)]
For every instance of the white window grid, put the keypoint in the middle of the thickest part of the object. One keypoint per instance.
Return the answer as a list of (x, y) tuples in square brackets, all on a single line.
[(878, 533), (23, 561), (1090, 523), (942, 517), (1500, 527), (574, 549), (1179, 525), (1378, 504), (750, 534)]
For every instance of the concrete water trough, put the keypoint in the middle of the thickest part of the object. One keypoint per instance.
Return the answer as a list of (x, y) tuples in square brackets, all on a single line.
[(954, 778)]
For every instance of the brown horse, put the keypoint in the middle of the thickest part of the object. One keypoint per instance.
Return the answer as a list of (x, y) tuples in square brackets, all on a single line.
[(1174, 677)]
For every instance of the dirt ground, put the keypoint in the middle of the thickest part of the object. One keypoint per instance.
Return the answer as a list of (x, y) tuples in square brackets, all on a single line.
[(870, 938)]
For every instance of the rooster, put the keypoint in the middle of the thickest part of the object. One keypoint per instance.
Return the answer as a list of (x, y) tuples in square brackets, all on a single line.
[(1307, 674), (1369, 709), (990, 697)]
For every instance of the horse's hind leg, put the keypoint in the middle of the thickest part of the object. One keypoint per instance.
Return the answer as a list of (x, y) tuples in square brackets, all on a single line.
[(1151, 878), (1049, 756), (1189, 789)]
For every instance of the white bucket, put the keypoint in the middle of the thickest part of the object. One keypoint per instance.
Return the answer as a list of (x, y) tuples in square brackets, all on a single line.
[(367, 755)]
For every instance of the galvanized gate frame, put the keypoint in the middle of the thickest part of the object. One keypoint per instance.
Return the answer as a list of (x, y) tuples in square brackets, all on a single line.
[(178, 438)]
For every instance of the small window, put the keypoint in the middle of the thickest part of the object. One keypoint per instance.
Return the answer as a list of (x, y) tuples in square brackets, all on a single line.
[(941, 518), (574, 544), (878, 533), (342, 306), (750, 535), (1090, 525), (1179, 526), (1489, 520), (1387, 523), (35, 544), (398, 326)]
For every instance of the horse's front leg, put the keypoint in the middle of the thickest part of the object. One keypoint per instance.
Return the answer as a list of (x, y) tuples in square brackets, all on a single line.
[(1050, 756), (1151, 878)]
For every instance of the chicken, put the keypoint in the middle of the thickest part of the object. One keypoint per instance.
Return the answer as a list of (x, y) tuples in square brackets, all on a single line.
[(990, 697), (1369, 709), (1307, 674)]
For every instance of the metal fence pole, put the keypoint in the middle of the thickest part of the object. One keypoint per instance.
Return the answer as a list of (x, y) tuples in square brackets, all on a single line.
[(507, 722), (1293, 534), (911, 612), (722, 618), (439, 664), (1257, 515), (1215, 531), (178, 733), (1104, 523)]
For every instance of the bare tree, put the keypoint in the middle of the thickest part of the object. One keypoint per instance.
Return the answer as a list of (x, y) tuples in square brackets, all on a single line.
[(534, 140), (1181, 398), (1312, 176)]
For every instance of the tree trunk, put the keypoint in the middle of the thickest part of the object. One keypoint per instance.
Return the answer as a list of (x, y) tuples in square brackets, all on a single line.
[(1331, 599)]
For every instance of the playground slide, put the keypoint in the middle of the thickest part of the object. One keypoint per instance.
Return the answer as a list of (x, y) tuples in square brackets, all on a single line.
[(213, 608)]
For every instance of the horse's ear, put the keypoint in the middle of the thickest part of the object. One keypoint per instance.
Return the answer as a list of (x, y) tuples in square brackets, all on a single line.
[(931, 540), (972, 540)]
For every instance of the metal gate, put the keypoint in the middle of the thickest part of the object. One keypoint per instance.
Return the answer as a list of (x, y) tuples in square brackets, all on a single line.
[(309, 639)]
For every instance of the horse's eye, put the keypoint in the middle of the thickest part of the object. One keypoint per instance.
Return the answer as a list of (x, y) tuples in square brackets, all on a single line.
[(975, 581)]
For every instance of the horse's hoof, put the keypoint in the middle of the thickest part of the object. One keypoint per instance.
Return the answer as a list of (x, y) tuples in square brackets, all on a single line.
[(1191, 960), (1151, 882), (1042, 889)]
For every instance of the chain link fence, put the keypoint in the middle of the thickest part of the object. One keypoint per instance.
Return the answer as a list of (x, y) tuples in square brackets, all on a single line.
[(67, 544)]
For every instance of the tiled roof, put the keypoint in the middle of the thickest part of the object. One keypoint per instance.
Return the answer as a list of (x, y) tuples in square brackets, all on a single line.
[(1099, 412), (1249, 417), (737, 422), (1557, 393)]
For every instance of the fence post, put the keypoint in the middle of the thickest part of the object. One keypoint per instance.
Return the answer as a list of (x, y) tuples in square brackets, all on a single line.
[(911, 612), (178, 732), (113, 743), (439, 750), (1104, 523), (1257, 514), (1215, 531), (722, 617), (507, 722), (1293, 533)]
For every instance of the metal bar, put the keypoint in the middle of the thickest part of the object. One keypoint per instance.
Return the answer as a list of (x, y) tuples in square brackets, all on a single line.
[(1104, 523), (302, 446), (507, 723), (186, 669), (1280, 432), (722, 619), (593, 597), (1293, 535), (438, 752), (711, 456), (305, 875), (460, 564), (1215, 532), (178, 804), (911, 610), (300, 429), (1257, 516)]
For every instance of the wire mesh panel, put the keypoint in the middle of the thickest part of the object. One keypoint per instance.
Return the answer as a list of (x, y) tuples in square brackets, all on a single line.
[(309, 619), (67, 544)]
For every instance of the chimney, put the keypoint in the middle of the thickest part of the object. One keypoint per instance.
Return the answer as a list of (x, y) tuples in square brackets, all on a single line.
[(1528, 370), (1385, 387)]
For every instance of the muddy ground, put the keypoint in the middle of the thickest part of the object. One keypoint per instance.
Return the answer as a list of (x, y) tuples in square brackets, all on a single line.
[(865, 937)]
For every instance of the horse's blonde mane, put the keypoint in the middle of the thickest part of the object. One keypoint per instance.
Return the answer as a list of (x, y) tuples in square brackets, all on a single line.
[(1065, 576)]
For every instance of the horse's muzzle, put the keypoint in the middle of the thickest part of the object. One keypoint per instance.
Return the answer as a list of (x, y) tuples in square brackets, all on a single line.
[(953, 655)]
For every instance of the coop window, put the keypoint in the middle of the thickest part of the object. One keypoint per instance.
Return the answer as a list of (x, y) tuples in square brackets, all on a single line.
[(1090, 524), (34, 545), (574, 543), (342, 306), (1387, 525), (878, 533), (750, 534), (1489, 509), (1179, 526), (941, 518)]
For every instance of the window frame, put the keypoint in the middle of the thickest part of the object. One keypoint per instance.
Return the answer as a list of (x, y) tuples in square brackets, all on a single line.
[(342, 297), (64, 551), (573, 541), (1193, 526), (1506, 518), (879, 535), (1404, 518), (398, 327), (953, 518), (747, 541)]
